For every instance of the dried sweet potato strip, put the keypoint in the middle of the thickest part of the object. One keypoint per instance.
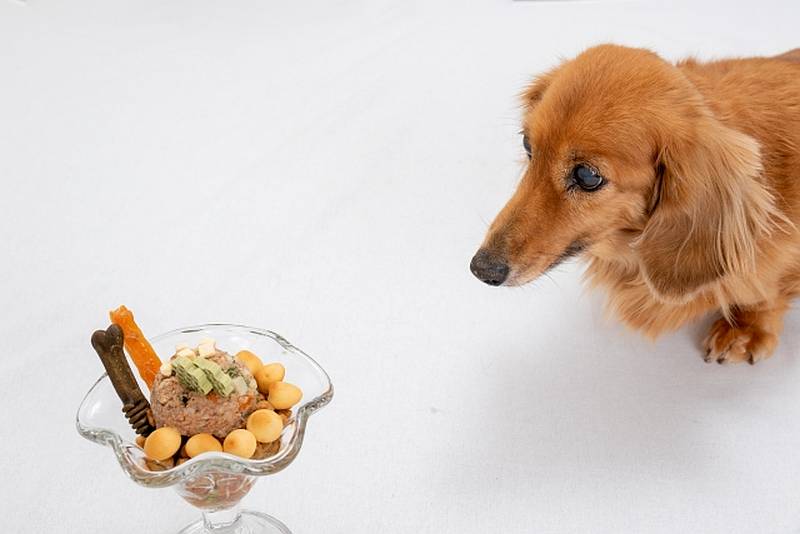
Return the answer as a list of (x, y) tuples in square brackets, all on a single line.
[(139, 349)]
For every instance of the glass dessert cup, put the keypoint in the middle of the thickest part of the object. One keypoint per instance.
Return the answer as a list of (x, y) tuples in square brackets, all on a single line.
[(214, 482)]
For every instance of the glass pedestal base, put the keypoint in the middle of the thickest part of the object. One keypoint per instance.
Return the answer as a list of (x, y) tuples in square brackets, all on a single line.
[(246, 522)]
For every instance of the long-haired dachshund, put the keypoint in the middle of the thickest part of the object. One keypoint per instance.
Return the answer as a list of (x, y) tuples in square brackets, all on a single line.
[(680, 184)]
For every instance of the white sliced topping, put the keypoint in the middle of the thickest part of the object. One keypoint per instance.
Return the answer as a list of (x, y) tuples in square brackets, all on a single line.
[(207, 341), (188, 353), (206, 349), (166, 368)]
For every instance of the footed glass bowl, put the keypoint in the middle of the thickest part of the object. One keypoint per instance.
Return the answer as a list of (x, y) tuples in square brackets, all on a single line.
[(214, 482)]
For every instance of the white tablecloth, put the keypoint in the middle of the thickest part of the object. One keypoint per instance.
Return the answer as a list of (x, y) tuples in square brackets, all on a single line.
[(326, 170)]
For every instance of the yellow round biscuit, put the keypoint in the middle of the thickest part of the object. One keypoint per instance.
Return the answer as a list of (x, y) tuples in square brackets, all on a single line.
[(283, 395), (240, 442), (265, 425), (270, 373), (250, 360), (200, 443), (162, 443)]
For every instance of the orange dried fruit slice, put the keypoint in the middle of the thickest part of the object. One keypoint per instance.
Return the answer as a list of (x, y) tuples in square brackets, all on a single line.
[(139, 349)]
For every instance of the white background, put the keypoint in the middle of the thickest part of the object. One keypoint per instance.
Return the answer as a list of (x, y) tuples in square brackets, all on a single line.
[(326, 170)]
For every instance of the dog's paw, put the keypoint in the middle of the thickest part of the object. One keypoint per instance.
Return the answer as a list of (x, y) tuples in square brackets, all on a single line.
[(749, 343)]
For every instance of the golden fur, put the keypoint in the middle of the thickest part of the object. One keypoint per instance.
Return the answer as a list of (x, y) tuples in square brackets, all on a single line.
[(701, 203)]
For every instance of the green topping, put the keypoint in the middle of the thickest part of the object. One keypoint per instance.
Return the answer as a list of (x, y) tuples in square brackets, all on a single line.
[(203, 375), (191, 376), (223, 384)]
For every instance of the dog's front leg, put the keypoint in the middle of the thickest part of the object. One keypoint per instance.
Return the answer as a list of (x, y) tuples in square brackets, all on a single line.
[(751, 334)]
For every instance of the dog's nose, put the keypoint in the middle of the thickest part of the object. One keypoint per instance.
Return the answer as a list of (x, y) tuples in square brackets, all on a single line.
[(489, 268)]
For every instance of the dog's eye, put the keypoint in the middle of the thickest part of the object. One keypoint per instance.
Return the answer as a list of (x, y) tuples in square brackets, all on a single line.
[(586, 177), (527, 145)]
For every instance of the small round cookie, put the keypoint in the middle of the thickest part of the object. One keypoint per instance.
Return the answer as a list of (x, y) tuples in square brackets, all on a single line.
[(283, 395), (265, 425), (200, 443), (240, 442), (250, 360), (162, 443), (269, 374)]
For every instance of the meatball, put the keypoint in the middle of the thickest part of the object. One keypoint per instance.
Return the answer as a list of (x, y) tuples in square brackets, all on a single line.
[(191, 412)]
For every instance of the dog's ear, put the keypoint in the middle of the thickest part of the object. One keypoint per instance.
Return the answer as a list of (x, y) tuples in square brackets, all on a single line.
[(710, 208), (535, 91)]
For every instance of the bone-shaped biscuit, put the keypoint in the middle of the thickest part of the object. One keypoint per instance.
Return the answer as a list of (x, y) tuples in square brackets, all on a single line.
[(108, 345)]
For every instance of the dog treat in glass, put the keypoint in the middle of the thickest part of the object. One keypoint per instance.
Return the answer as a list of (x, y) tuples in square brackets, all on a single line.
[(202, 399), (211, 472)]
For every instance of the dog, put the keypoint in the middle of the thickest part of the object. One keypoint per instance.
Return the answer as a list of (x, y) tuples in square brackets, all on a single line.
[(678, 183)]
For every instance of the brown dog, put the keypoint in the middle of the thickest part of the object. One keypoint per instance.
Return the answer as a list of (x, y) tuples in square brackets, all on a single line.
[(680, 183)]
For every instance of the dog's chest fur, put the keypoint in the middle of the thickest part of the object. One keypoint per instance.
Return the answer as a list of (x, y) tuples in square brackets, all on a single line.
[(614, 267)]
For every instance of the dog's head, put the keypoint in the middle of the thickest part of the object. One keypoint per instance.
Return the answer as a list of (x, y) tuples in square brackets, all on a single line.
[(626, 158)]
